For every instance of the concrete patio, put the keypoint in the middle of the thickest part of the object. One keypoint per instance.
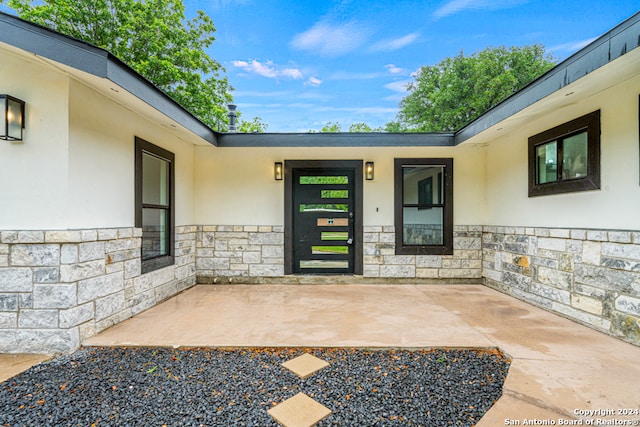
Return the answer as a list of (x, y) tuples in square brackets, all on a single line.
[(560, 370)]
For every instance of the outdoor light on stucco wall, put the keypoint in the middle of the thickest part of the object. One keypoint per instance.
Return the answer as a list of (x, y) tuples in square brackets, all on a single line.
[(368, 171), (12, 118), (277, 171)]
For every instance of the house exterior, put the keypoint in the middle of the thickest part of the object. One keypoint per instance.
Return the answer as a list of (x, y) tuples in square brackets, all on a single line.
[(116, 198)]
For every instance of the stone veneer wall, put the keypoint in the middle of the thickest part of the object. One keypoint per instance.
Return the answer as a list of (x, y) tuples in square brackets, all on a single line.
[(591, 276), (249, 253), (380, 259), (60, 287), (230, 251)]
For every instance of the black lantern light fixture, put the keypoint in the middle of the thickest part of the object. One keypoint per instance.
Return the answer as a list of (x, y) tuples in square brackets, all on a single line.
[(12, 121), (277, 171), (368, 171)]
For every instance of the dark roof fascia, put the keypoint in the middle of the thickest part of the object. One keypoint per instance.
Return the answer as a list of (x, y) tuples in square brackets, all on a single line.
[(98, 62), (342, 139), (605, 49)]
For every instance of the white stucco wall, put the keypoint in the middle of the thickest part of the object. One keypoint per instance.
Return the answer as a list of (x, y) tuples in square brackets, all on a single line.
[(235, 186), (75, 167), (614, 206), (102, 156), (33, 173)]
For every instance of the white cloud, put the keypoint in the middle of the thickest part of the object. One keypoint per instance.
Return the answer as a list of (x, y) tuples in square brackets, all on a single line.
[(393, 69), (268, 69), (395, 44), (313, 81), (454, 6), (329, 39), (399, 86), (570, 47)]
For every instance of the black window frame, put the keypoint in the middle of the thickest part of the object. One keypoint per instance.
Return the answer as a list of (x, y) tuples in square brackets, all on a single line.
[(589, 123), (142, 146), (447, 204)]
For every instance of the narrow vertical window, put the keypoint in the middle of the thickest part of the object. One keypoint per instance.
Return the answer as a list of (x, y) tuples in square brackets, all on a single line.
[(154, 204), (424, 206)]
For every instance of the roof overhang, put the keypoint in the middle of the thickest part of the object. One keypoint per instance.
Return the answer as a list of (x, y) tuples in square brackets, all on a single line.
[(342, 139), (101, 70), (609, 60)]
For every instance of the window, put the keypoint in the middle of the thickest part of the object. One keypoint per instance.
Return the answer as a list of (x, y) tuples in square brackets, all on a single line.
[(566, 158), (424, 206), (155, 204)]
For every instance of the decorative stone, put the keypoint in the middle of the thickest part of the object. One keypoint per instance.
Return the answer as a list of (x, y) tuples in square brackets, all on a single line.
[(299, 411), (107, 234), (76, 315), (91, 289), (54, 296), (266, 270), (81, 271), (621, 250), (69, 254), (628, 305), (8, 302), (587, 304), (306, 365), (35, 255), (251, 257), (63, 236), (591, 252), (555, 278), (266, 238), (550, 292), (91, 251), (8, 321), (552, 244), (16, 280), (397, 270), (428, 261), (109, 305), (46, 275), (604, 278), (38, 319), (39, 341)]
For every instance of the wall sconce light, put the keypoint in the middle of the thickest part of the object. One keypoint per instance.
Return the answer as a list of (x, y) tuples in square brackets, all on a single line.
[(368, 171), (277, 171), (12, 118)]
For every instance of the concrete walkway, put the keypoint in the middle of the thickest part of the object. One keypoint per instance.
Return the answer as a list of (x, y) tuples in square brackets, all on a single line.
[(560, 370)]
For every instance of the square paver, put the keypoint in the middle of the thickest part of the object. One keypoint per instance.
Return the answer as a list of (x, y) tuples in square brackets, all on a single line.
[(305, 365), (299, 411)]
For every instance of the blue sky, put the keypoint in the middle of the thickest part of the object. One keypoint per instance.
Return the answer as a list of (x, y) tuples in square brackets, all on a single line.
[(301, 64)]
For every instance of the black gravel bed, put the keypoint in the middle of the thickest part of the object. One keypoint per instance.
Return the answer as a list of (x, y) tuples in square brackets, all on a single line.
[(235, 387)]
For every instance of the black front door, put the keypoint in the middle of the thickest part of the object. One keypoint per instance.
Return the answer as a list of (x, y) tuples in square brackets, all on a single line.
[(324, 219)]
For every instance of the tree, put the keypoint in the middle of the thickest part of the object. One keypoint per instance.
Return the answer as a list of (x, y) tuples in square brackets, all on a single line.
[(254, 126), (360, 127), (153, 37), (329, 128), (446, 96)]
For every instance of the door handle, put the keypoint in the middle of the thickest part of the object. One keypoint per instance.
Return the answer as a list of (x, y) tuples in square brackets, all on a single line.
[(350, 241)]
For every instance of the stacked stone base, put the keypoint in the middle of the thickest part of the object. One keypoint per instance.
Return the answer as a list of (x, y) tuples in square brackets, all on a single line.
[(58, 288), (590, 276)]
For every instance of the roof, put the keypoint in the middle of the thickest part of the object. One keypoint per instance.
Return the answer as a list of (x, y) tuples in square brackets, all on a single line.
[(98, 62)]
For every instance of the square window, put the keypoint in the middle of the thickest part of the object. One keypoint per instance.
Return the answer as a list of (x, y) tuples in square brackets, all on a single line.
[(566, 158)]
